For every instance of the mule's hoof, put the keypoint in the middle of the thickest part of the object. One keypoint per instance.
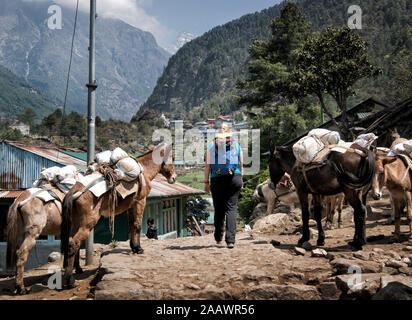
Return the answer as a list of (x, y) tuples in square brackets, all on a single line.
[(302, 241), (22, 291), (138, 250), (328, 226), (79, 270), (320, 242), (68, 282), (339, 225), (355, 244)]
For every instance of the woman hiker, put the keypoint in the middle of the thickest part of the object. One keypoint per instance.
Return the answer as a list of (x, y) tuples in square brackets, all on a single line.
[(224, 164)]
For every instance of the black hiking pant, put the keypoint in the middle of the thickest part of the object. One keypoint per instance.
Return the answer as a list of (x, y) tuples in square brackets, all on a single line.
[(225, 193)]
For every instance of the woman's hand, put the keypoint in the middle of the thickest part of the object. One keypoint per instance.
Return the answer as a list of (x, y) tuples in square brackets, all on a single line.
[(207, 187)]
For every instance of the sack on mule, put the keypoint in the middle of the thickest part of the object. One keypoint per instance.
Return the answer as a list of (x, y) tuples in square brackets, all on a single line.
[(127, 169), (326, 136), (402, 148), (307, 148), (365, 140), (50, 174), (67, 172), (103, 157), (117, 155)]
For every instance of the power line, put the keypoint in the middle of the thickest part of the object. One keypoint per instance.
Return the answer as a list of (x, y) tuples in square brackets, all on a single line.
[(69, 70)]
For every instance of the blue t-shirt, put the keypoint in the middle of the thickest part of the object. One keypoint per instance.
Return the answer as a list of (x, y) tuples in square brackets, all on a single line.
[(237, 150)]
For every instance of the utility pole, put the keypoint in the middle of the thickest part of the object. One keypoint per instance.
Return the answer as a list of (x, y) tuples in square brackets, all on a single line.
[(91, 111)]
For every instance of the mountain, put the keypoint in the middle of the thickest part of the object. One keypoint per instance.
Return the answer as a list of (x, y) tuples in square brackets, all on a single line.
[(128, 60), (16, 94), (182, 39), (208, 67)]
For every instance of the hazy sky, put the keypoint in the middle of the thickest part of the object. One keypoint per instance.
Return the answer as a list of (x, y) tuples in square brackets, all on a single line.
[(166, 18)]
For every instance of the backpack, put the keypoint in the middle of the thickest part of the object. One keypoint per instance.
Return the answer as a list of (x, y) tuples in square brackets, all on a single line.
[(227, 163)]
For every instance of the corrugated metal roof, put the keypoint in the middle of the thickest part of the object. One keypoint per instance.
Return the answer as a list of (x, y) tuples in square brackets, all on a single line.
[(21, 164), (10, 194), (162, 189), (52, 153)]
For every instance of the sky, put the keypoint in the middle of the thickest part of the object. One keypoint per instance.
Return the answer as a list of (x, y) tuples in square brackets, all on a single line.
[(165, 19)]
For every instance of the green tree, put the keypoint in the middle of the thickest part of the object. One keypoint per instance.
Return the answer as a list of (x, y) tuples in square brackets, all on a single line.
[(401, 75), (27, 116), (332, 62), (273, 59)]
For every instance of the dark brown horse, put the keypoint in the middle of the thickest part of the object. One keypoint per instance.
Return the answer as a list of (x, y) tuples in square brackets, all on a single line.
[(80, 214), (348, 172)]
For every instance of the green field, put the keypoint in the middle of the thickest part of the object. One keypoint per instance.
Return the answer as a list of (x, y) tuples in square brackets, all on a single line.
[(193, 179)]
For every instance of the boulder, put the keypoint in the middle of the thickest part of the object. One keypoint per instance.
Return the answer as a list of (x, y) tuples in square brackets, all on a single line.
[(362, 255), (258, 212), (273, 224), (329, 291), (281, 292), (319, 253), (361, 286), (394, 291), (342, 265), (300, 251), (396, 264)]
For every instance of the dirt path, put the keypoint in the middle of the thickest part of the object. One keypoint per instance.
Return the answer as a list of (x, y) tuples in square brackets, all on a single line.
[(198, 268)]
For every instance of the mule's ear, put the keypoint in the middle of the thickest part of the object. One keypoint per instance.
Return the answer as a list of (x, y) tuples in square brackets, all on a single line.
[(272, 146)]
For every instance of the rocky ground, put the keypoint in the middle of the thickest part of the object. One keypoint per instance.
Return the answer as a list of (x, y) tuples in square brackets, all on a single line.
[(265, 264)]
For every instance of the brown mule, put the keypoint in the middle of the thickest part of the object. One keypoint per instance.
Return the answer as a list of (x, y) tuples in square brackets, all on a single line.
[(25, 223), (395, 174), (347, 172), (331, 204), (80, 215)]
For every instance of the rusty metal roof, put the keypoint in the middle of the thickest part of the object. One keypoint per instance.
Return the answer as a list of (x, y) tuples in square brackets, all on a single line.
[(52, 153), (10, 194), (162, 189)]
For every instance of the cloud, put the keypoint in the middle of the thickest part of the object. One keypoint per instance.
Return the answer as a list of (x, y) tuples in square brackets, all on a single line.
[(129, 11)]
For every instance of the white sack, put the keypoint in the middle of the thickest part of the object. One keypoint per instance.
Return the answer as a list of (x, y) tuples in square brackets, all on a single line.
[(307, 148), (402, 148), (50, 174), (117, 155), (67, 172), (326, 136), (365, 140), (103, 157), (127, 169)]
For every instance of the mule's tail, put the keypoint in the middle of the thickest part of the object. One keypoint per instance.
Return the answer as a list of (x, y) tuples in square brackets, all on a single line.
[(13, 228), (365, 172), (66, 225)]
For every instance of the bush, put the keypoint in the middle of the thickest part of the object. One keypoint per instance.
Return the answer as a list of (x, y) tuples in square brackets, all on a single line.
[(246, 202)]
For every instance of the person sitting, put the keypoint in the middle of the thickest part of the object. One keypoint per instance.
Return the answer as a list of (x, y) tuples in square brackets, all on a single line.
[(151, 229)]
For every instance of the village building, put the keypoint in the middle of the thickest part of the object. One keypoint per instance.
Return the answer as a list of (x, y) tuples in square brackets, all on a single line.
[(21, 165), (374, 116)]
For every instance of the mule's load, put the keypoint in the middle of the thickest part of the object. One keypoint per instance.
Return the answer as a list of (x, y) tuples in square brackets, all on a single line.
[(313, 147), (319, 142), (404, 148), (125, 167)]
